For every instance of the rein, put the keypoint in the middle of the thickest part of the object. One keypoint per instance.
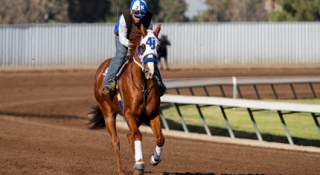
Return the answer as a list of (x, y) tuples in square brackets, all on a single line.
[(140, 65), (146, 49), (143, 90)]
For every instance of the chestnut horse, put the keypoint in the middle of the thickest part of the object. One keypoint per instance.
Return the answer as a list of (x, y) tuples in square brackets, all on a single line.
[(137, 98)]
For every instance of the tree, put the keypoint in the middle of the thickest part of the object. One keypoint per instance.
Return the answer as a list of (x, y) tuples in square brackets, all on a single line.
[(31, 11), (117, 6), (58, 11), (78, 11), (88, 10), (162, 10), (297, 10), (171, 11), (233, 10)]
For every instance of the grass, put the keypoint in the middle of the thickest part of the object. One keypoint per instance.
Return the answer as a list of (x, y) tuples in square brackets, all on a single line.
[(301, 126)]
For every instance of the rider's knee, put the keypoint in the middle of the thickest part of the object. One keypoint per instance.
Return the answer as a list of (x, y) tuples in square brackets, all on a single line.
[(120, 56)]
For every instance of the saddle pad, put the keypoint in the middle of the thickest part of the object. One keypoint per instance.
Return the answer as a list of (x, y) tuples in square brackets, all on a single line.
[(119, 71)]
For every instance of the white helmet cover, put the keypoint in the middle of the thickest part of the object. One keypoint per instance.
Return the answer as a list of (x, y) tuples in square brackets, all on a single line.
[(138, 5)]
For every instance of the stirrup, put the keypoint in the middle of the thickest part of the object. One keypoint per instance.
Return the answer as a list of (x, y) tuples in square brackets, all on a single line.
[(105, 90), (108, 87)]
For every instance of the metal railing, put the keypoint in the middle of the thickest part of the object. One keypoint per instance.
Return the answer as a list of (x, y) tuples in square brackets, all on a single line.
[(236, 83), (251, 106)]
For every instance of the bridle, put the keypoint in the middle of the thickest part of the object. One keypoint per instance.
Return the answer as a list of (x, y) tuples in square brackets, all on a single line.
[(143, 90), (148, 52)]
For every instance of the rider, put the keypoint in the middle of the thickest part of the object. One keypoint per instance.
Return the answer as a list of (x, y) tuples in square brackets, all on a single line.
[(136, 15)]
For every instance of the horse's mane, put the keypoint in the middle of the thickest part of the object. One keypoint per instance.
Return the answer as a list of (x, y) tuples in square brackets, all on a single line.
[(135, 37)]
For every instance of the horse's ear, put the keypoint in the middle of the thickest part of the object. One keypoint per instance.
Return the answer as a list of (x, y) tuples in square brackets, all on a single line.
[(143, 30), (157, 30)]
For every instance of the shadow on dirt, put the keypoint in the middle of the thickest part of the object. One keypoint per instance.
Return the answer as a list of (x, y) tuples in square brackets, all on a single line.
[(54, 116), (165, 173)]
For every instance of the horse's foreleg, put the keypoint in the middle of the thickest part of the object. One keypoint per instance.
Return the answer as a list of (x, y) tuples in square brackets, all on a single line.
[(159, 63), (156, 128), (115, 142), (135, 139), (166, 61), (131, 140)]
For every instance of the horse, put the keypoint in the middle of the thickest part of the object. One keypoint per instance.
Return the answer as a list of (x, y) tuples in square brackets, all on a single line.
[(136, 98), (164, 41)]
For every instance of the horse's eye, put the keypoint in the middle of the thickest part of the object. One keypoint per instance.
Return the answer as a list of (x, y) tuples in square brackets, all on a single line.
[(141, 49)]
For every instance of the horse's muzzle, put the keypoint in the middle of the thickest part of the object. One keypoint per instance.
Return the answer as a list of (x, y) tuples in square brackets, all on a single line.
[(148, 75), (149, 70)]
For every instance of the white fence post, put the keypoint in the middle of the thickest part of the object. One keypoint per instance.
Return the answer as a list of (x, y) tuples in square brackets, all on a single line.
[(234, 82)]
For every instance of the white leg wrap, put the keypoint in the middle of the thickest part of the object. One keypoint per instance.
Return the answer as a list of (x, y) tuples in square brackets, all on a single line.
[(138, 151), (157, 153)]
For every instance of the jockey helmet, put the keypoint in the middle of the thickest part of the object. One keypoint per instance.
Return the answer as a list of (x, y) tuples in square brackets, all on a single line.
[(138, 8)]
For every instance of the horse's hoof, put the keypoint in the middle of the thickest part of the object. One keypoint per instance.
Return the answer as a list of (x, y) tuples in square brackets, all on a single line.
[(139, 166), (138, 172), (154, 162)]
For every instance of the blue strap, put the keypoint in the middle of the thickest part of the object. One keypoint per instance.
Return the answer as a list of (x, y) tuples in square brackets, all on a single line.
[(120, 103), (116, 27), (150, 60)]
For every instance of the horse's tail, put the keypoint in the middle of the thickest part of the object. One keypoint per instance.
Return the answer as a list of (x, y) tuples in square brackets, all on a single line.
[(97, 121)]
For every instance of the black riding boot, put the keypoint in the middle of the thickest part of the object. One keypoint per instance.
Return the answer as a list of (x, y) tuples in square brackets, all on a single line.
[(161, 85)]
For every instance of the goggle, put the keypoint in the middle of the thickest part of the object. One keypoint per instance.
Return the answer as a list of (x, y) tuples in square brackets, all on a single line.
[(139, 12)]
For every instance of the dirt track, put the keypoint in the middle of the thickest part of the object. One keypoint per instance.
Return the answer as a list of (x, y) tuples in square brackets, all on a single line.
[(43, 131)]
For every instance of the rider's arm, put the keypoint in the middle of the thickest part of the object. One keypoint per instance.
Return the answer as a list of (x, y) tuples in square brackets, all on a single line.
[(123, 31)]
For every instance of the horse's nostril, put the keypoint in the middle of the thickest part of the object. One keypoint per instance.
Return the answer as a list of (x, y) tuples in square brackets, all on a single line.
[(146, 73)]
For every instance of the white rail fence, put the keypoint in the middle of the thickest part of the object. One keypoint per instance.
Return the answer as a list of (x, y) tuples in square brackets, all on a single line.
[(251, 106), (312, 84)]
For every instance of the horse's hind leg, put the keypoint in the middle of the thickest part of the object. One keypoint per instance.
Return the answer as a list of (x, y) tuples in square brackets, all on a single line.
[(156, 128), (110, 119)]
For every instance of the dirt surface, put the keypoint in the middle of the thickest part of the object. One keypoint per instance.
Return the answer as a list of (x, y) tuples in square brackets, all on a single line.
[(43, 115)]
